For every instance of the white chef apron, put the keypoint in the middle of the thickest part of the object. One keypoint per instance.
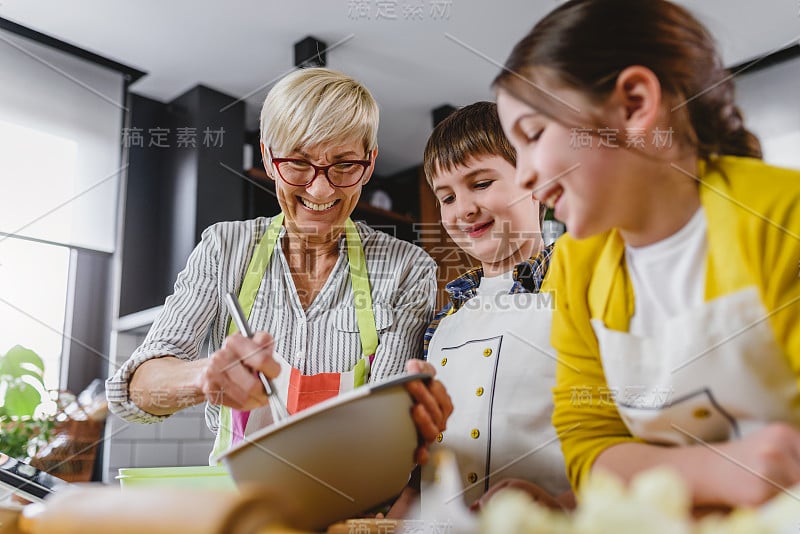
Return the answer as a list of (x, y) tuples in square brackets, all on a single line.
[(714, 372), (494, 357)]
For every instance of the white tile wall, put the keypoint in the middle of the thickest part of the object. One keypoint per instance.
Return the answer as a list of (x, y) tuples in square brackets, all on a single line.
[(181, 427), (121, 454), (155, 454), (182, 439), (194, 452), (125, 431)]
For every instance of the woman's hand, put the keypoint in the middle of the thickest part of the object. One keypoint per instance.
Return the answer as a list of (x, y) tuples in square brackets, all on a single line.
[(230, 377), (535, 492), (432, 407)]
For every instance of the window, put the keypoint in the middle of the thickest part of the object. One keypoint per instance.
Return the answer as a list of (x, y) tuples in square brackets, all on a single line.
[(33, 295), (59, 145), (61, 115)]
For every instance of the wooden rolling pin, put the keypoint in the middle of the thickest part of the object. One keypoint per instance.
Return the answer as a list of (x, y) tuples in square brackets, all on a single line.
[(91, 509)]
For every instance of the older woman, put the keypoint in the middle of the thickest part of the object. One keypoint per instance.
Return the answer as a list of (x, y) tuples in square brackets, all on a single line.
[(334, 303)]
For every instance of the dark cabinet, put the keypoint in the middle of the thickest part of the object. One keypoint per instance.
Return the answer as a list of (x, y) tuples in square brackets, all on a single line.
[(182, 176)]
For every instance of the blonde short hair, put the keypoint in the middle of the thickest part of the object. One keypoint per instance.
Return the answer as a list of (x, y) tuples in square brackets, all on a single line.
[(313, 106)]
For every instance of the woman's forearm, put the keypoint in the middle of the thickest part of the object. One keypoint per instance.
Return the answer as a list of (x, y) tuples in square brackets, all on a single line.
[(162, 386)]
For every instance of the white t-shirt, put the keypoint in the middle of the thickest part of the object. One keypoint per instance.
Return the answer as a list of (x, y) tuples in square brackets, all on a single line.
[(496, 285), (668, 277)]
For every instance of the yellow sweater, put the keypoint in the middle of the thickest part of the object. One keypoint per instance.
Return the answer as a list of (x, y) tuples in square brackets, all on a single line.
[(753, 220)]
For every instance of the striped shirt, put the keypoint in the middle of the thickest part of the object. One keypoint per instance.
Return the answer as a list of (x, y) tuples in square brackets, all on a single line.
[(322, 338)]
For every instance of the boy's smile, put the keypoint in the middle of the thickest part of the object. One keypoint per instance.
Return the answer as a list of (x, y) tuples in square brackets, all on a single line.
[(477, 230)]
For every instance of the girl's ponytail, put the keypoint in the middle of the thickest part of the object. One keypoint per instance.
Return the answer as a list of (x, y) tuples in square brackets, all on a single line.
[(718, 124)]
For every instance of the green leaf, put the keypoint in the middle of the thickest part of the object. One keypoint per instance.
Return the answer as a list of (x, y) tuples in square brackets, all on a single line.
[(21, 438), (19, 361), (22, 399)]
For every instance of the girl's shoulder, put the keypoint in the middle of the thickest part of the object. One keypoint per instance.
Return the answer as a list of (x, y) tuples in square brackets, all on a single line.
[(752, 180), (579, 254)]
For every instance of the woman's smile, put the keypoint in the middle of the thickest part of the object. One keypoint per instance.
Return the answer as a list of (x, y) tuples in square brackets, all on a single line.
[(312, 206)]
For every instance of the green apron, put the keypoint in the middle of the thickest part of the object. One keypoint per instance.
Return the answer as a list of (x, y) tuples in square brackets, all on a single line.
[(306, 390)]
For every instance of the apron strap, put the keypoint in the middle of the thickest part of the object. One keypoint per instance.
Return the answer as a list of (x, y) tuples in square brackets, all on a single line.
[(362, 293), (257, 268)]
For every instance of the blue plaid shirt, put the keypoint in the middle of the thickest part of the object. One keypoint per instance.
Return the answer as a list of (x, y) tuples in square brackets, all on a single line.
[(528, 276)]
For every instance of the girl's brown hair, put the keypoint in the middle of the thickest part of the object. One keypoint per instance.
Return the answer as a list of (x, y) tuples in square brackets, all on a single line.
[(586, 44)]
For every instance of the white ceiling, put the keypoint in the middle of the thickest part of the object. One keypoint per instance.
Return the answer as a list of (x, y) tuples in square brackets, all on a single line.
[(432, 52)]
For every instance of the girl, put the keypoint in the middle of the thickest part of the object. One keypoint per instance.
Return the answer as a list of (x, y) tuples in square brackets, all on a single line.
[(678, 289)]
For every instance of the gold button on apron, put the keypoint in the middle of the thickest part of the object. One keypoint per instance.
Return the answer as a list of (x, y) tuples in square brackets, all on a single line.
[(472, 478), (439, 437), (701, 413), (475, 433), (479, 391), (444, 362), (487, 352)]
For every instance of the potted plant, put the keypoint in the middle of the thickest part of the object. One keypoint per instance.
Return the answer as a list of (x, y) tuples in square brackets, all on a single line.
[(24, 401)]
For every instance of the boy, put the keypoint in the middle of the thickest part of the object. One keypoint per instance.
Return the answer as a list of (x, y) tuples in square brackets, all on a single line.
[(490, 344)]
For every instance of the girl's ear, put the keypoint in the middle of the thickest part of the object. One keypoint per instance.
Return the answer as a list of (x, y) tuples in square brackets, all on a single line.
[(637, 94)]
